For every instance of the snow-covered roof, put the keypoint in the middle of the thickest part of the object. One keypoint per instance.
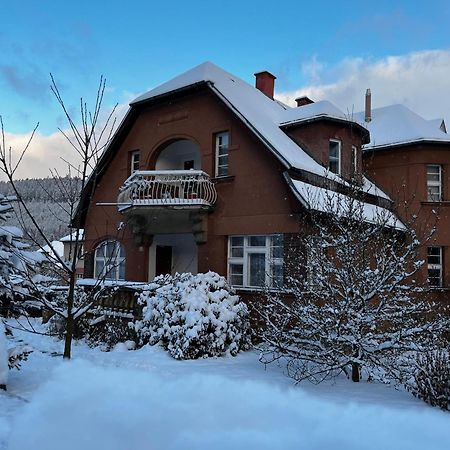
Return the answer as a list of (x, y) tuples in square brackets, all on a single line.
[(71, 237), (262, 114), (322, 109), (331, 202), (58, 248), (397, 124)]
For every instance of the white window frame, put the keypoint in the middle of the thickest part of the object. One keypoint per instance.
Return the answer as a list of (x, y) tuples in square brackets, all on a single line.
[(434, 184), (135, 160), (435, 266), (269, 265), (339, 158), (217, 148), (115, 262), (354, 159)]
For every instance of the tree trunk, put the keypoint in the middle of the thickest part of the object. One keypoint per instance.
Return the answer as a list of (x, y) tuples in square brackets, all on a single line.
[(69, 336), (356, 376)]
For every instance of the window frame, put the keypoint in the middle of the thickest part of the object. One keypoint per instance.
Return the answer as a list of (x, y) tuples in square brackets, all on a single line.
[(118, 257), (217, 156), (433, 184), (339, 157), (271, 262), (354, 155), (435, 266), (133, 158)]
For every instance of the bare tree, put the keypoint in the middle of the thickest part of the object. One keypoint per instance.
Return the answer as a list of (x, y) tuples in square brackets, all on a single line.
[(356, 308), (87, 135)]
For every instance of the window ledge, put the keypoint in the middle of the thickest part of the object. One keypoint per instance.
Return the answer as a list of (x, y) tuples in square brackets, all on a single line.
[(222, 179), (439, 203), (258, 290)]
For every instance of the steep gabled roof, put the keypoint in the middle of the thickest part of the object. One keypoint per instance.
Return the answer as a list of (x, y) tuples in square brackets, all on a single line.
[(398, 125), (262, 114)]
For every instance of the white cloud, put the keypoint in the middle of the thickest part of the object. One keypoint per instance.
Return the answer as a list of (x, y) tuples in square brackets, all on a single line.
[(419, 80)]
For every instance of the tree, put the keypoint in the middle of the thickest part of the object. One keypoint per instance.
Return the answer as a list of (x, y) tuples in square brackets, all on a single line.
[(88, 138), (357, 307)]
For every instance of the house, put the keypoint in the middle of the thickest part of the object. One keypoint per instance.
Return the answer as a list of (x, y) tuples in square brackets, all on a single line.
[(409, 158), (207, 172), (69, 243)]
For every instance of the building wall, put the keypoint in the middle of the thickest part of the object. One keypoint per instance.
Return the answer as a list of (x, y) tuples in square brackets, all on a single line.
[(254, 199), (315, 137), (402, 173)]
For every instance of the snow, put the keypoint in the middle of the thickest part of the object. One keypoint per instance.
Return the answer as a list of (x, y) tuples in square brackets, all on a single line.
[(397, 124), (71, 237), (327, 201), (58, 249), (262, 114), (144, 399), (322, 109)]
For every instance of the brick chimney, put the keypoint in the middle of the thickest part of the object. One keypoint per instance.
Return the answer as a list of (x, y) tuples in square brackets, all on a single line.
[(302, 101), (265, 82), (368, 109)]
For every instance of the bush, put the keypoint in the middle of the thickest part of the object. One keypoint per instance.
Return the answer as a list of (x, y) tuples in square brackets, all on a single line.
[(432, 379), (193, 316)]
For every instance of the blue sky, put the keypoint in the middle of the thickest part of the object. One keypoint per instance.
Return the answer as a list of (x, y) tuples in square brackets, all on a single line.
[(140, 44)]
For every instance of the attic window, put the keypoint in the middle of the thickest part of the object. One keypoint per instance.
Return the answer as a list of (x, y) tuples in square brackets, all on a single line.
[(334, 157), (135, 161)]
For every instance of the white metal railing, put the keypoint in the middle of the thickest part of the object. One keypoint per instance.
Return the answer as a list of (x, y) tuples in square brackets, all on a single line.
[(167, 187)]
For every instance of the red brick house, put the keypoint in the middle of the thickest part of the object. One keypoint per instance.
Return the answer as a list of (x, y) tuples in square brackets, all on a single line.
[(209, 173)]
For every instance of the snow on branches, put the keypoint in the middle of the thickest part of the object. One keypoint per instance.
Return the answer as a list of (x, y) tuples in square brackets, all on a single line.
[(356, 307), (193, 316)]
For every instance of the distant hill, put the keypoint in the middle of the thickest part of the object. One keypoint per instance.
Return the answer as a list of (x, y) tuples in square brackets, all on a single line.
[(46, 199)]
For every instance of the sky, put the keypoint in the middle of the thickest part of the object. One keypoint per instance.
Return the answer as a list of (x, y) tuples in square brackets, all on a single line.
[(324, 49)]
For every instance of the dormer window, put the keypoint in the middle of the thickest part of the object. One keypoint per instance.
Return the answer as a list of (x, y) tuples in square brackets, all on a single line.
[(135, 161), (221, 152), (334, 157)]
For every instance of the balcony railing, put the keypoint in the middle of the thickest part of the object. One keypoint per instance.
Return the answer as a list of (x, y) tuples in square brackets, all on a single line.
[(188, 188)]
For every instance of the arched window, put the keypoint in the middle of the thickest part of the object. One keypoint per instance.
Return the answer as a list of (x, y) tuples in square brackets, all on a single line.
[(110, 260)]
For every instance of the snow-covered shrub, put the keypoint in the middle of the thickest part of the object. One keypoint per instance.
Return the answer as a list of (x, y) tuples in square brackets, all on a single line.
[(18, 354), (432, 379), (193, 316), (3, 357)]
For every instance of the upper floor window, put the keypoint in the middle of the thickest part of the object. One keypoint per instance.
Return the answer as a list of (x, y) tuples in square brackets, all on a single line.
[(434, 182), (221, 154), (334, 156), (256, 261), (435, 266), (135, 161), (109, 261)]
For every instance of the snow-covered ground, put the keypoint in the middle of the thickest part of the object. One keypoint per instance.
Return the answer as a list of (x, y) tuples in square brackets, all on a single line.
[(144, 399)]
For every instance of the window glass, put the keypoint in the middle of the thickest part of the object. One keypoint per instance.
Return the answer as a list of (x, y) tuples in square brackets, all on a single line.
[(334, 161), (257, 266), (221, 152), (109, 260), (434, 183), (435, 266), (135, 161), (257, 241)]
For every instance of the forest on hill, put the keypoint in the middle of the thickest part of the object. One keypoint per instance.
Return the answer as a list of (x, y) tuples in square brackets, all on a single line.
[(47, 199)]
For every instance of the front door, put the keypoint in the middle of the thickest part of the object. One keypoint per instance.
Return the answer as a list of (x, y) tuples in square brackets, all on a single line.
[(163, 264)]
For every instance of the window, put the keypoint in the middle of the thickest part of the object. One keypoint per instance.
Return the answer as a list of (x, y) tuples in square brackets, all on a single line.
[(435, 266), (354, 160), (135, 161), (434, 183), (188, 165), (110, 261), (256, 261), (334, 157), (221, 152)]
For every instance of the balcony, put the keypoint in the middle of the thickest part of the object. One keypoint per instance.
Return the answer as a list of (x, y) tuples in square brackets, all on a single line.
[(168, 188), (168, 201)]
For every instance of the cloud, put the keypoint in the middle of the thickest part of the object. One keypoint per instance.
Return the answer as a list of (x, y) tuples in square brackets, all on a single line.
[(419, 80), (50, 153)]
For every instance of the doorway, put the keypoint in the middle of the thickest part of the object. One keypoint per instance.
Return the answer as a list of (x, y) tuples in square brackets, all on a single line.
[(163, 263)]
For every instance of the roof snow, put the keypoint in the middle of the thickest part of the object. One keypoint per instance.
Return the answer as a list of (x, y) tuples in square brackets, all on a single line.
[(260, 113), (322, 109), (331, 202), (397, 124), (58, 249), (71, 237)]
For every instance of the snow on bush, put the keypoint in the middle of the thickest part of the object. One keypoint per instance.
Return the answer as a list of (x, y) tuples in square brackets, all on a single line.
[(130, 409), (193, 316), (3, 357), (432, 379)]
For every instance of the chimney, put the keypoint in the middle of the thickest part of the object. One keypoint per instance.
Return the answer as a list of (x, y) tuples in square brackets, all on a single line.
[(368, 110), (265, 82), (302, 101)]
